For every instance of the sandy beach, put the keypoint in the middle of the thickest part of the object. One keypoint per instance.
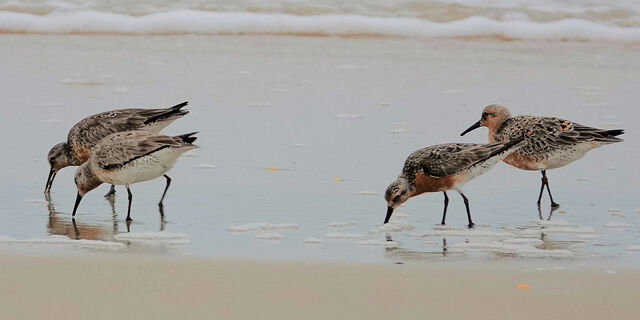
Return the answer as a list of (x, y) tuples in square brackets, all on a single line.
[(152, 288)]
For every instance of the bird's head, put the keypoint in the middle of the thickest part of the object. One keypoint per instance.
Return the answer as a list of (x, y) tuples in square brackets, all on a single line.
[(492, 117), (397, 193)]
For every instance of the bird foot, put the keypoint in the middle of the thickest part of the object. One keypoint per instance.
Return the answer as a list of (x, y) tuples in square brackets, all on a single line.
[(471, 225), (555, 205)]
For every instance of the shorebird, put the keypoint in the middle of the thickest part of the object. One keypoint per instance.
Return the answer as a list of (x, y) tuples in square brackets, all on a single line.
[(552, 142), (125, 158), (444, 167), (85, 134)]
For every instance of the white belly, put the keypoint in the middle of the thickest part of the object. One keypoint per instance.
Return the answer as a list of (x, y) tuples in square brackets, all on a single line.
[(481, 169), (146, 168), (563, 157)]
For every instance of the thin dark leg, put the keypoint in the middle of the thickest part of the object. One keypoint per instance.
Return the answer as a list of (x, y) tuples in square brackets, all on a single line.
[(129, 209), (541, 187), (466, 204), (165, 190), (446, 203), (545, 182), (112, 192)]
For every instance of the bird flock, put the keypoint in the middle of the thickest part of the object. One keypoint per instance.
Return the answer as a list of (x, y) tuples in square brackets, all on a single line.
[(124, 147)]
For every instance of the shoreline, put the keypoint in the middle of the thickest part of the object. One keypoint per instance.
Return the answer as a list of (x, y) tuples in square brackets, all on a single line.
[(493, 38), (381, 99), (108, 287)]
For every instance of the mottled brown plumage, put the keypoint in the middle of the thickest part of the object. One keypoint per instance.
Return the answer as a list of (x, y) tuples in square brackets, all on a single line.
[(551, 142), (122, 148), (85, 134), (125, 158), (444, 167)]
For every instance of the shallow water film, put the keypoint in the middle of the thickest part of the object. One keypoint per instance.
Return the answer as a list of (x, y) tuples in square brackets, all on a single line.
[(300, 136)]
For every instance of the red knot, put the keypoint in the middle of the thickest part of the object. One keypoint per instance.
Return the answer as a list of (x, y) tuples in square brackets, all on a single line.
[(551, 143), (85, 134), (444, 167), (125, 158)]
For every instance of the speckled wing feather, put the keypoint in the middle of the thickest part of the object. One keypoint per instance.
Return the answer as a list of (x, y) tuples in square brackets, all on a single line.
[(448, 159), (91, 130), (546, 134), (121, 148)]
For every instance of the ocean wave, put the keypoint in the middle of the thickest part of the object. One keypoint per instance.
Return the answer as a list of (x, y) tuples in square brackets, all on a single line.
[(204, 22)]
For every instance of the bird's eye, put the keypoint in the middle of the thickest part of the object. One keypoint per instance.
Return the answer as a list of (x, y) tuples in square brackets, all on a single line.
[(52, 159), (485, 114), (396, 198)]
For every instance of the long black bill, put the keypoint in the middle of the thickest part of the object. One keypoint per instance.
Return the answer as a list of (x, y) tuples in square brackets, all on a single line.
[(75, 207), (389, 213), (52, 175), (473, 127)]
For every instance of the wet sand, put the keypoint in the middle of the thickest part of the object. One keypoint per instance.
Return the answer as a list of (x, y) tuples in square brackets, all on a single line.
[(152, 288), (309, 132)]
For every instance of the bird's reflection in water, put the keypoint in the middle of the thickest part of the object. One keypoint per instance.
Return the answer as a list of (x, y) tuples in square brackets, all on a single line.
[(548, 243), (163, 222), (399, 253), (90, 230), (553, 209), (112, 202), (60, 225)]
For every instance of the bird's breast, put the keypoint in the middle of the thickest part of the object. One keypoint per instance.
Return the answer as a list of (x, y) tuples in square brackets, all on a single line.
[(524, 162), (80, 153), (425, 183)]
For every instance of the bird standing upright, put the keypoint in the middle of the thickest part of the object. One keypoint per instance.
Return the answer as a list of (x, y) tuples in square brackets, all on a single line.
[(552, 142)]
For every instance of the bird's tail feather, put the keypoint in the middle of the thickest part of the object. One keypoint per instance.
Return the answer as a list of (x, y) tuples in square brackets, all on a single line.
[(611, 135), (187, 138), (169, 114)]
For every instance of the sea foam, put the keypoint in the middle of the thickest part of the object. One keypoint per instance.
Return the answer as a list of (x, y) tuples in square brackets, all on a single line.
[(153, 237), (63, 240), (207, 22)]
